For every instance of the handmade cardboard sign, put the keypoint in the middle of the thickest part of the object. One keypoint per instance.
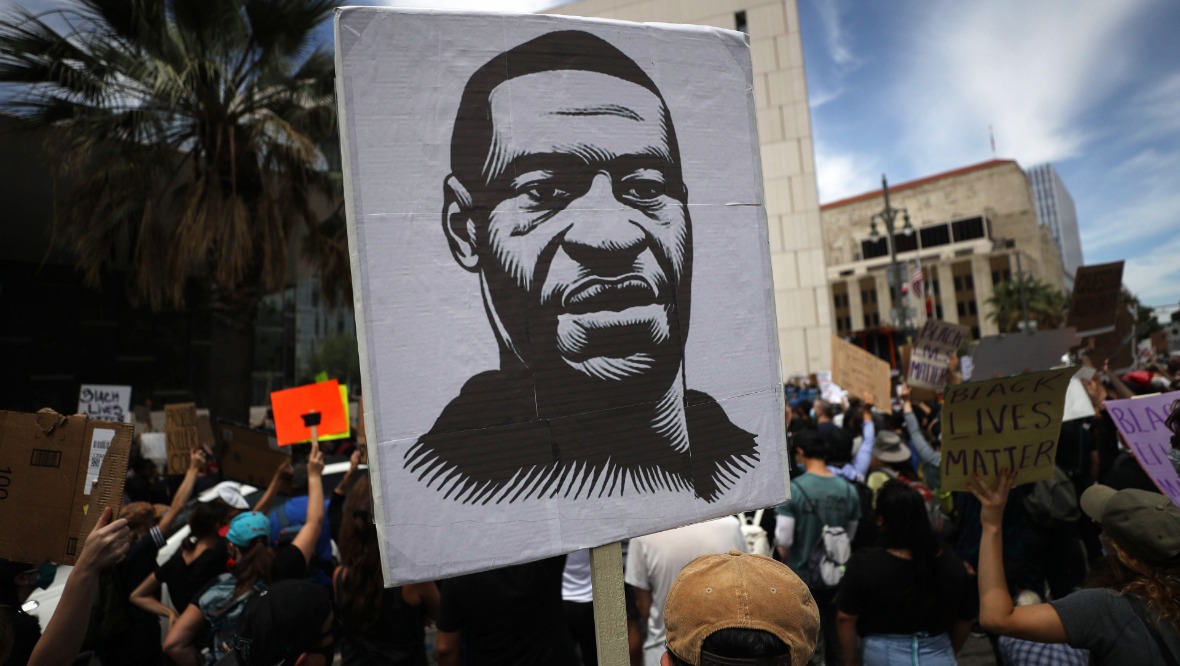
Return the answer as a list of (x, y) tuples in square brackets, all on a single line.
[(929, 366), (290, 405), (1007, 423), (1095, 298), (181, 434), (1018, 353), (57, 474), (248, 456), (859, 371), (109, 403), (1117, 346), (1142, 424), (562, 277)]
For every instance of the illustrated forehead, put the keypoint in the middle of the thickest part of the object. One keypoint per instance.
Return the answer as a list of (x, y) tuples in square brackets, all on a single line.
[(544, 111)]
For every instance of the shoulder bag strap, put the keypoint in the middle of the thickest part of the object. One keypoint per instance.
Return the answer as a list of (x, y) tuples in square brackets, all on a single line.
[(1144, 614)]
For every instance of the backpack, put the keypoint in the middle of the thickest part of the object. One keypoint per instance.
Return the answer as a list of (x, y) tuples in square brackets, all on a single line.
[(1054, 501), (829, 555), (757, 543)]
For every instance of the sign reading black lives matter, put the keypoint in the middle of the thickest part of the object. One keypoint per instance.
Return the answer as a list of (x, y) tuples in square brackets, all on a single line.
[(562, 277)]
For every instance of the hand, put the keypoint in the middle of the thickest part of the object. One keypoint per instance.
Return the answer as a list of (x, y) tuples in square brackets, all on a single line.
[(315, 462), (196, 460), (354, 461), (284, 471), (904, 393), (869, 398), (992, 501), (107, 543), (173, 616)]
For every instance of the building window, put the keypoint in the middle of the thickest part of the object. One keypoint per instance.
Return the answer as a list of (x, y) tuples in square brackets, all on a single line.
[(871, 249), (1001, 276), (968, 229), (974, 332), (938, 312), (972, 308), (739, 21), (934, 236), (934, 288), (969, 282), (962, 310), (958, 284)]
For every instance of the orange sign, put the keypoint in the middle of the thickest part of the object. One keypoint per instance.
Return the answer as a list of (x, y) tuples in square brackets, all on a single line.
[(290, 405)]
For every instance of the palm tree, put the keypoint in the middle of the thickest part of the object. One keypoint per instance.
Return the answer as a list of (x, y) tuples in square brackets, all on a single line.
[(1046, 306), (188, 133)]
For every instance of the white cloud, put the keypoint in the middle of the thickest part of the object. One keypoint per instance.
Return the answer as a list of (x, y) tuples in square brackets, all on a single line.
[(843, 175), (1153, 276), (502, 5), (1149, 215), (835, 39), (1030, 70)]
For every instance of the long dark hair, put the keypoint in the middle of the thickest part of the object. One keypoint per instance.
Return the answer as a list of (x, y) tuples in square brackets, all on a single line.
[(906, 525), (254, 565), (1160, 589), (360, 584), (205, 520)]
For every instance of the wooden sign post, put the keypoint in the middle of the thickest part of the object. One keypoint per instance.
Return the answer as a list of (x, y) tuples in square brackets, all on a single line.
[(610, 607)]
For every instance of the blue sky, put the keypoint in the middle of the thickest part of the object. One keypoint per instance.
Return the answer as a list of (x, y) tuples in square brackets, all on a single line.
[(910, 88)]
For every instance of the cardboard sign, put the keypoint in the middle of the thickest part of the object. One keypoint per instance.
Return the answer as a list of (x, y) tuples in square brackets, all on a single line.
[(1095, 298), (57, 474), (1007, 423), (248, 455), (1017, 353), (109, 403), (929, 366), (290, 405), (561, 263), (1141, 422), (859, 371), (182, 435), (1117, 346)]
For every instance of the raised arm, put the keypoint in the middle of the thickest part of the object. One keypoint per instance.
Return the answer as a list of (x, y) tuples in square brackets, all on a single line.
[(926, 453), (272, 488), (107, 543), (864, 455), (306, 539), (196, 462)]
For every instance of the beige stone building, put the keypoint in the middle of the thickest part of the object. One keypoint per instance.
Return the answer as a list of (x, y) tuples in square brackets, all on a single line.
[(969, 228), (788, 160)]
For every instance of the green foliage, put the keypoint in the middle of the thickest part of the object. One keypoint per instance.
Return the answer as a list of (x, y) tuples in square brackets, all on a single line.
[(1046, 306), (338, 356)]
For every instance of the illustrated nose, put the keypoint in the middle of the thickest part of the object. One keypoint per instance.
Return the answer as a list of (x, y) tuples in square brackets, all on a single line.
[(603, 236)]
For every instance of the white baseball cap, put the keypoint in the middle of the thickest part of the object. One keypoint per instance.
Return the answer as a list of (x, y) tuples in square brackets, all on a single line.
[(229, 492)]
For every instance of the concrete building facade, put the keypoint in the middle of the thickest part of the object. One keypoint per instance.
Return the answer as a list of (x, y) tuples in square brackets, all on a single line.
[(970, 226), (1056, 212), (788, 159)]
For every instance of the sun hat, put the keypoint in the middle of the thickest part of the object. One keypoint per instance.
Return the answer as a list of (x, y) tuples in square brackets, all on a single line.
[(229, 492), (246, 527), (282, 622), (1142, 523), (889, 448), (737, 590)]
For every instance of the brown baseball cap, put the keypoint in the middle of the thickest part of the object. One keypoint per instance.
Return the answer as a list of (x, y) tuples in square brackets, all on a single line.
[(737, 590), (1143, 523)]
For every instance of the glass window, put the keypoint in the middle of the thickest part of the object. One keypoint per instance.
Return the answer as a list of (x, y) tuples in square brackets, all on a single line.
[(935, 236), (870, 249), (968, 229)]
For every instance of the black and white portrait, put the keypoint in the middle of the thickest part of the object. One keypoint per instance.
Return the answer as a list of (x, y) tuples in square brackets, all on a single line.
[(564, 295)]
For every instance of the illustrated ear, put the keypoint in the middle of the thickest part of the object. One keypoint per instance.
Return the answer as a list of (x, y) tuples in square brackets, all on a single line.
[(458, 224)]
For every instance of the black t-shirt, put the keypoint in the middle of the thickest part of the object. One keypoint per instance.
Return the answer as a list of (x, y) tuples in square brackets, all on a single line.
[(289, 564), (879, 589), (185, 580), (509, 616)]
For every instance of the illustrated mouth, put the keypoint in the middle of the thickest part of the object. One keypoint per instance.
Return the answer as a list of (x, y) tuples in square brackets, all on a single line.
[(599, 294)]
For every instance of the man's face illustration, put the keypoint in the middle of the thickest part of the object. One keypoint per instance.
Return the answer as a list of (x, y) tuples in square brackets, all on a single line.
[(587, 230)]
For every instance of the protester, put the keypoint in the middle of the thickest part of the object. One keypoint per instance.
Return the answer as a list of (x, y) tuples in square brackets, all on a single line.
[(18, 580), (201, 558), (654, 561), (290, 622), (107, 544), (577, 596), (736, 609), (1131, 615), (1019, 652), (220, 605), (858, 424), (911, 598), (379, 625)]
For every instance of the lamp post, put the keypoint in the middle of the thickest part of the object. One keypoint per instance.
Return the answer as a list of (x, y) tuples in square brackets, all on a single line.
[(1010, 244), (888, 215)]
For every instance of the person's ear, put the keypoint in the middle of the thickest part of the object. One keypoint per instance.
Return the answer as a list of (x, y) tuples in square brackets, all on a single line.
[(458, 224)]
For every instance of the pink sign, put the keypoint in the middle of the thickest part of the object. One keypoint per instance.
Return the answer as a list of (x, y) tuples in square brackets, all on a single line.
[(1141, 421)]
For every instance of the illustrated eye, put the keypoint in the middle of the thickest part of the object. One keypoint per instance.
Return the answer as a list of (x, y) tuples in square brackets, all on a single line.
[(643, 190), (544, 193)]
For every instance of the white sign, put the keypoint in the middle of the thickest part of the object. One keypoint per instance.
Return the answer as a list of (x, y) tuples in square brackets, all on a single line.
[(107, 403), (562, 269)]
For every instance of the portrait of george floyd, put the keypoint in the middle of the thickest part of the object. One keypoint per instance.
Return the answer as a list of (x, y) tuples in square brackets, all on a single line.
[(561, 263)]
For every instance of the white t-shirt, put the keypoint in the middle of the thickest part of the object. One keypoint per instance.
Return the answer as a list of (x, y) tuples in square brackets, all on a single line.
[(575, 580), (654, 561)]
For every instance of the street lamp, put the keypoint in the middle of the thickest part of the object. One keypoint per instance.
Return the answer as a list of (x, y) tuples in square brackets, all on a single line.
[(1010, 244), (888, 215)]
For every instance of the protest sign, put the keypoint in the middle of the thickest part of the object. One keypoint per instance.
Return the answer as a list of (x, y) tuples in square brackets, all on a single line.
[(182, 435), (530, 371), (860, 372), (109, 403), (1017, 353), (1117, 346), (967, 367), (1095, 298), (57, 474), (1007, 423), (154, 447), (1142, 424), (290, 405), (248, 455), (1077, 400), (347, 432), (929, 365)]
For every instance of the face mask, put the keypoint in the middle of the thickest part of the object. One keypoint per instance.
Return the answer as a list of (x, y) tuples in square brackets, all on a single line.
[(46, 575)]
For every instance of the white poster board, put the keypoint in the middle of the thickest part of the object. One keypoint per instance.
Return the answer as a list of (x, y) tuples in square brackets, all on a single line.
[(535, 203), (106, 403), (1018, 353)]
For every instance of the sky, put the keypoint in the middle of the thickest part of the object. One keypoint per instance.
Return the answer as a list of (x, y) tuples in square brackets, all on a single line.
[(910, 88)]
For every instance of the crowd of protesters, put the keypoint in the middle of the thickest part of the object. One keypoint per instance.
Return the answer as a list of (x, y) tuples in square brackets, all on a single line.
[(899, 570)]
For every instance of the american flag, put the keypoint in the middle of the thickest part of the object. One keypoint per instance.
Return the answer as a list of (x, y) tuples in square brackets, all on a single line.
[(918, 283)]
